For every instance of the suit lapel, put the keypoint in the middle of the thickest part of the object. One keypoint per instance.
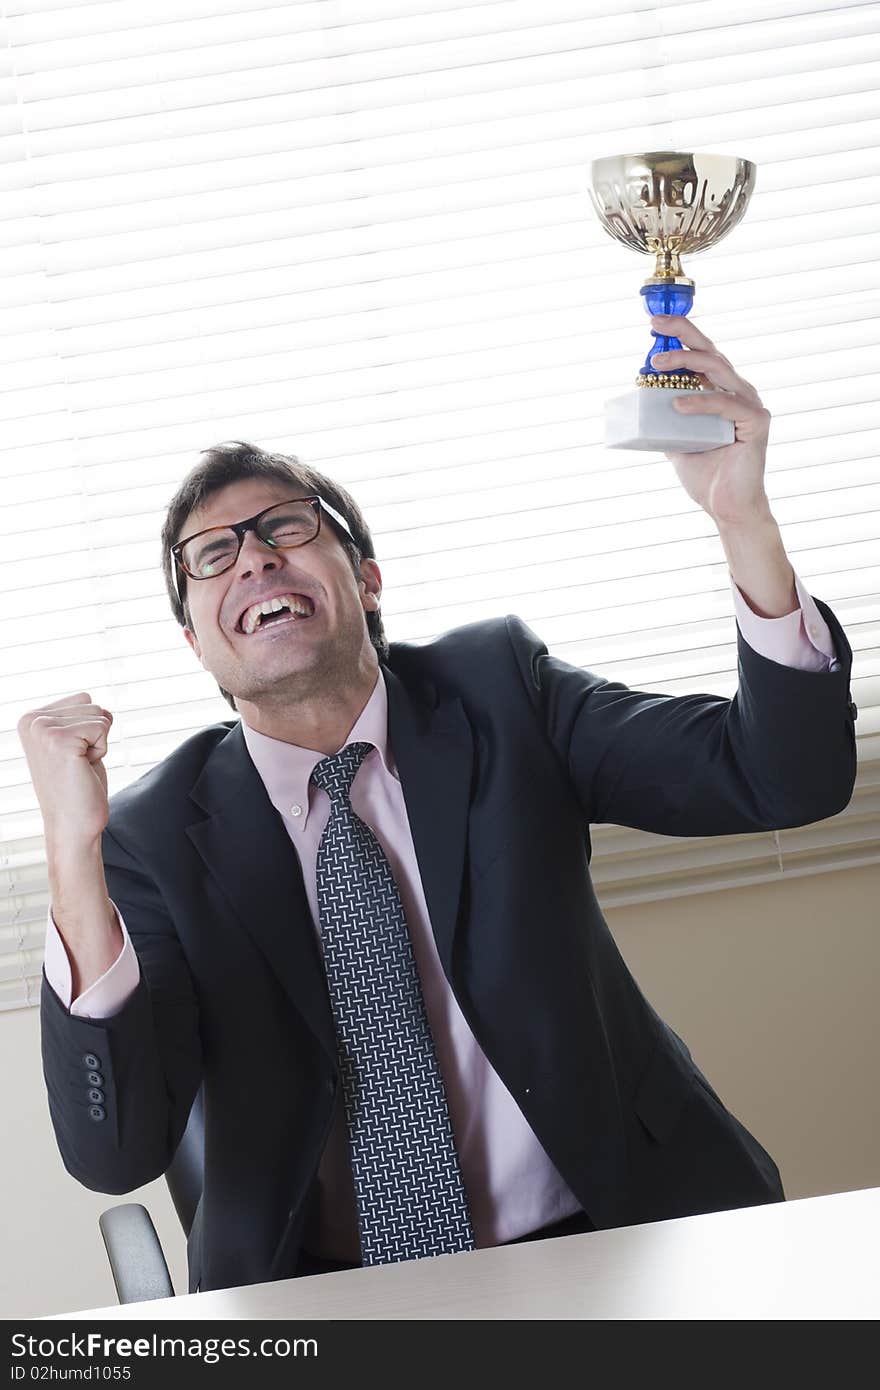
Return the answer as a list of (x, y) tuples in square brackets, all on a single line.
[(247, 850), (433, 750)]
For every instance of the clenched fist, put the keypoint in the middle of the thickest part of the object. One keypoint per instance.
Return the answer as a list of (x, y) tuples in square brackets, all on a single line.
[(65, 743)]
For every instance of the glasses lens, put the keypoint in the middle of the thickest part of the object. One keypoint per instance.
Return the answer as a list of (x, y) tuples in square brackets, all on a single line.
[(288, 524)]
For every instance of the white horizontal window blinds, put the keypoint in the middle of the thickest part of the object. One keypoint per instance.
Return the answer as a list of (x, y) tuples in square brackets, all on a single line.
[(360, 232)]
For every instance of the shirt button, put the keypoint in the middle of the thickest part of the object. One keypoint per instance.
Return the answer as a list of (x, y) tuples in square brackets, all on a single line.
[(296, 810)]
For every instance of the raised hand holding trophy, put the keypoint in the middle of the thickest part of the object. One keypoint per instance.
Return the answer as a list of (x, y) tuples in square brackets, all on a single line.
[(667, 204)]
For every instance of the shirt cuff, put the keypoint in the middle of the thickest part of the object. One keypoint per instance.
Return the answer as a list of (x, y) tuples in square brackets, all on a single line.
[(107, 994), (801, 639)]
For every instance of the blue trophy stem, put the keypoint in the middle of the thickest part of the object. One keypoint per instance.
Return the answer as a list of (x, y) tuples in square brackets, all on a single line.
[(666, 299)]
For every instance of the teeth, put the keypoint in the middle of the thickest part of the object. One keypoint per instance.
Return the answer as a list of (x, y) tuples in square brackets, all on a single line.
[(251, 619)]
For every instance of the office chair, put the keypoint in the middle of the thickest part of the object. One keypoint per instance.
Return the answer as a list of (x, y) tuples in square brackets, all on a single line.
[(138, 1265)]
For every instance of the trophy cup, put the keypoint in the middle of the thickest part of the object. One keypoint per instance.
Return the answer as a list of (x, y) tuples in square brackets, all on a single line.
[(665, 204)]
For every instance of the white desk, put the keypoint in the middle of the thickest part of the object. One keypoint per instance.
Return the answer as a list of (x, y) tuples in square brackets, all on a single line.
[(813, 1258)]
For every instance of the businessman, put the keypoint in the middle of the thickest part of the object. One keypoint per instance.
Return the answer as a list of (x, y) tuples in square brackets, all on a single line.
[(359, 914)]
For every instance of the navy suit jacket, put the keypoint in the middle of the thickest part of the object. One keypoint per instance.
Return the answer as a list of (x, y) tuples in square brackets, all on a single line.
[(506, 755)]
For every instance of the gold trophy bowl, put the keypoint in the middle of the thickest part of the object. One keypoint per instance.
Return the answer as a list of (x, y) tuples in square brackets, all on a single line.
[(667, 204)]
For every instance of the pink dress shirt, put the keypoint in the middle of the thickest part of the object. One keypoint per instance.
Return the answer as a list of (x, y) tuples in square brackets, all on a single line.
[(512, 1187)]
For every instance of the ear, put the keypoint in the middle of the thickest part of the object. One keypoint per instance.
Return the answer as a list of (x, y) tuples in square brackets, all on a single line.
[(370, 585), (193, 642)]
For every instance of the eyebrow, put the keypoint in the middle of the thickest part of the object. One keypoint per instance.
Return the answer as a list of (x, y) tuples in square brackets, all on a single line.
[(210, 545)]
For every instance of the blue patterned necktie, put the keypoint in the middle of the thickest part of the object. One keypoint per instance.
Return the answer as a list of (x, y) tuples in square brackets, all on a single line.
[(410, 1195)]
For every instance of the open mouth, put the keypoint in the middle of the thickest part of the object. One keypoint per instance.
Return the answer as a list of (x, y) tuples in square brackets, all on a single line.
[(288, 608)]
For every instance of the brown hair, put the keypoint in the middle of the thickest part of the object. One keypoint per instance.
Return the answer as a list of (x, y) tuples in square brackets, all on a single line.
[(228, 463)]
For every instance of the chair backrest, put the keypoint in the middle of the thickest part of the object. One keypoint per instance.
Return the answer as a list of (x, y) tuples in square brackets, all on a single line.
[(185, 1173)]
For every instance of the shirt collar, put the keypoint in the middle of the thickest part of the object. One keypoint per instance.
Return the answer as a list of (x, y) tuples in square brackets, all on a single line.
[(285, 768)]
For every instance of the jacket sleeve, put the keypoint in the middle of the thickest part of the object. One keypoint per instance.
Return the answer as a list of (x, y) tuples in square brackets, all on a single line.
[(780, 753), (120, 1088)]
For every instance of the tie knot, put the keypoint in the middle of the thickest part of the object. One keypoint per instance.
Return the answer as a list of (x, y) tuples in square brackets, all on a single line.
[(336, 773)]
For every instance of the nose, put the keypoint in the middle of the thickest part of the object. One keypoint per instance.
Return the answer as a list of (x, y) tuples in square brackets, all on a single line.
[(255, 553)]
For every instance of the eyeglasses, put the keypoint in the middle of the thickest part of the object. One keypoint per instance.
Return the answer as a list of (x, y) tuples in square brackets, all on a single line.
[(282, 526)]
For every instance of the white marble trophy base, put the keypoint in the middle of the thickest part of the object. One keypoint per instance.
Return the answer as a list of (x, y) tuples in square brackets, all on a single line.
[(646, 419)]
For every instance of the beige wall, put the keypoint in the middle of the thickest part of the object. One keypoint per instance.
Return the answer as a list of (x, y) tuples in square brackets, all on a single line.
[(773, 989)]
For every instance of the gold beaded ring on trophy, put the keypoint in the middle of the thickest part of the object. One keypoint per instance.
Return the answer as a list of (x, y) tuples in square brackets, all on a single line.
[(682, 383)]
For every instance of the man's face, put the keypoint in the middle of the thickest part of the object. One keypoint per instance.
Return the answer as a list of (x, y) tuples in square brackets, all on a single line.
[(285, 660)]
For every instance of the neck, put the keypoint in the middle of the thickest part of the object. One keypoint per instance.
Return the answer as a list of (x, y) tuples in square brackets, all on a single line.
[(321, 722)]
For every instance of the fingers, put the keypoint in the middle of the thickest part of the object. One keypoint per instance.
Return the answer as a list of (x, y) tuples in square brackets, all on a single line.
[(61, 714), (53, 733), (699, 354), (709, 364), (677, 326), (83, 698), (67, 707), (91, 716), (62, 725), (729, 407)]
